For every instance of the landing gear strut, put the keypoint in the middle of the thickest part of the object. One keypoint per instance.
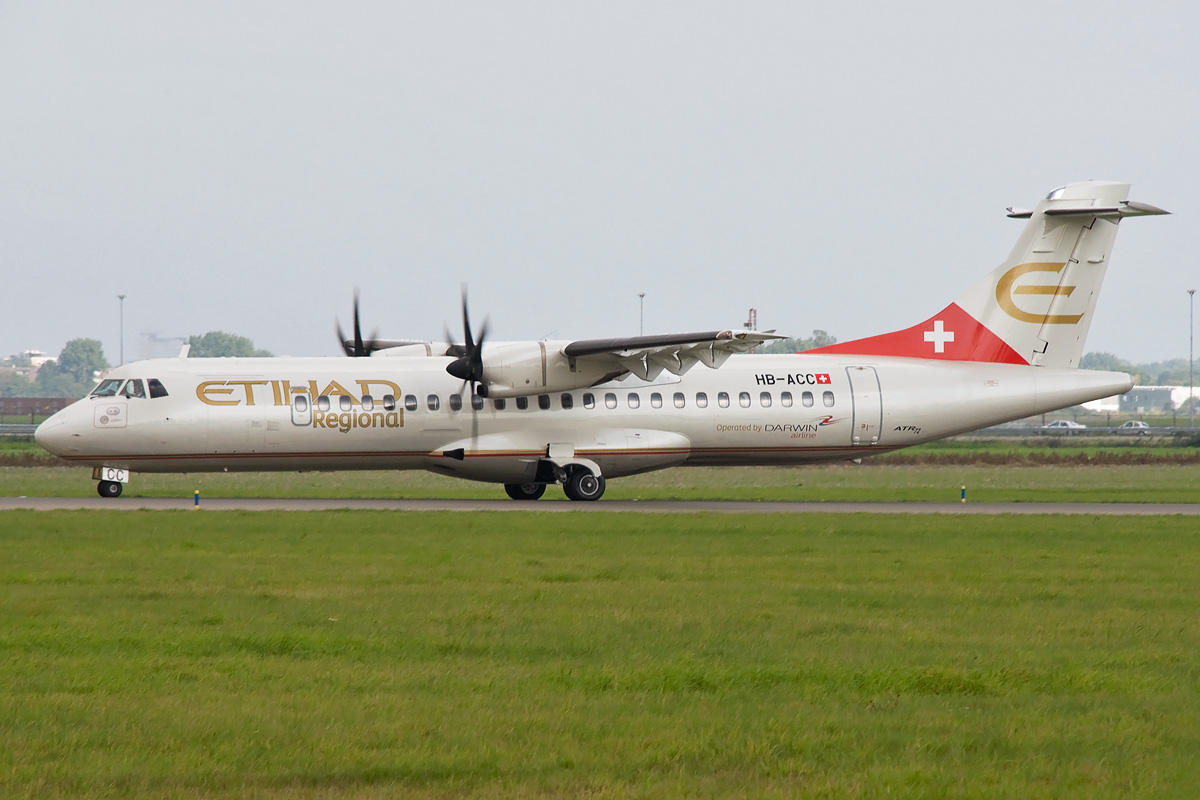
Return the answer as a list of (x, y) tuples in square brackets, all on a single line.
[(582, 484), (109, 489), (525, 491)]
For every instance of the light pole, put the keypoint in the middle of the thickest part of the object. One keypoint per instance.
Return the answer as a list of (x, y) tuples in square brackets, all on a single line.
[(1191, 340), (121, 298), (641, 313)]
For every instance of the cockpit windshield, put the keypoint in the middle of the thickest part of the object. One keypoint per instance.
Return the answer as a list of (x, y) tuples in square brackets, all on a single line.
[(107, 388), (134, 388)]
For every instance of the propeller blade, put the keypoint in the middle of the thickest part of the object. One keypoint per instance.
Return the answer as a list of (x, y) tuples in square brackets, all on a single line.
[(468, 339), (356, 348), (477, 361), (359, 350), (347, 349)]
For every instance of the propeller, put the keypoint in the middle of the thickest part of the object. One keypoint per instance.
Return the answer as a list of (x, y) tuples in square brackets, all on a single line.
[(359, 348), (468, 367)]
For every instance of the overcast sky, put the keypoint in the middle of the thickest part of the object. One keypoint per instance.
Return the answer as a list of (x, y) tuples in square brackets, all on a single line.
[(845, 166)]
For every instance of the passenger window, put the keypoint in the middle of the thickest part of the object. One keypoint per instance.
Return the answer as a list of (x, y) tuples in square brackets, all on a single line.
[(323, 403), (744, 399), (634, 400), (785, 399), (410, 402), (134, 388), (701, 400), (107, 388), (589, 400), (827, 399), (157, 389), (522, 403), (656, 400), (680, 400), (345, 402), (300, 403), (807, 399), (723, 399), (610, 400), (544, 402), (367, 402), (499, 404), (456, 402), (764, 398), (434, 402), (476, 402), (568, 401)]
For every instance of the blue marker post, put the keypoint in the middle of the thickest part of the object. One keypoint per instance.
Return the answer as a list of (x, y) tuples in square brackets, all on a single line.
[(963, 497), (196, 501)]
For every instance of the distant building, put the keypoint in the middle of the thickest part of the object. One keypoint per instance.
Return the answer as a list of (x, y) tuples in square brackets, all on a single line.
[(36, 357), (1105, 405), (25, 364), (1143, 400), (1154, 399)]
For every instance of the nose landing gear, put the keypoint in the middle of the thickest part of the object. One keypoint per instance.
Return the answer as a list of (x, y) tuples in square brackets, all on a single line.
[(109, 488)]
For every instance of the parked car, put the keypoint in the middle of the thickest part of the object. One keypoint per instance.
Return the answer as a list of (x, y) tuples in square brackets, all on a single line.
[(1135, 426), (1063, 426)]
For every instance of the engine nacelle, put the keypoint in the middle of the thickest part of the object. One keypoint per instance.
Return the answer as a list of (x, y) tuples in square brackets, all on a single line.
[(525, 368), (413, 350)]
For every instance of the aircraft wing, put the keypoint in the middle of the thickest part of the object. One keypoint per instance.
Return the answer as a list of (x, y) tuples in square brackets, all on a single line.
[(515, 369), (647, 356)]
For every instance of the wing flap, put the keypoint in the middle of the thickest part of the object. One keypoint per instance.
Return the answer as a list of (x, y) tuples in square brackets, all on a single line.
[(647, 357)]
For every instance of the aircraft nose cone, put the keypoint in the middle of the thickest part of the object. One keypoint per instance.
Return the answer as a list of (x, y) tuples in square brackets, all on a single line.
[(53, 435)]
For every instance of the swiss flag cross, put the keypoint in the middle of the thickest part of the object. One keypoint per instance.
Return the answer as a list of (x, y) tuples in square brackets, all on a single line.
[(822, 377)]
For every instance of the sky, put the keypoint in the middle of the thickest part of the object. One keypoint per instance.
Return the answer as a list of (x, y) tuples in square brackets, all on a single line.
[(244, 166)]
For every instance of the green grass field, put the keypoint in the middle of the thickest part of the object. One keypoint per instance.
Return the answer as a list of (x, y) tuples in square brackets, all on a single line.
[(364, 654), (1153, 483)]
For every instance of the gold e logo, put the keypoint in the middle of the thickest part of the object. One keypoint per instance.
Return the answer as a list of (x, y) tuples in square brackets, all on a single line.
[(1005, 292)]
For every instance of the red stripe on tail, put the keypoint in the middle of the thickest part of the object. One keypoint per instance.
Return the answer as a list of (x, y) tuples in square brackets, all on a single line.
[(952, 335)]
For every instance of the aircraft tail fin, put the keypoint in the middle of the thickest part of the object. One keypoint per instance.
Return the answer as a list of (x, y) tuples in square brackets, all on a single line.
[(1037, 306)]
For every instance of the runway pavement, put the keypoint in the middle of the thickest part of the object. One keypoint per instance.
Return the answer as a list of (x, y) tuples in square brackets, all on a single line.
[(599, 507)]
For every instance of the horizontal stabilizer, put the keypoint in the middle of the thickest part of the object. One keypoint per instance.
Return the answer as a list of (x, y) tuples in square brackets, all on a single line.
[(1127, 208)]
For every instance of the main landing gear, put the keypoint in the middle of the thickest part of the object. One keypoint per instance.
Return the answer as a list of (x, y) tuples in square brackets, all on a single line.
[(109, 488), (579, 483), (525, 491)]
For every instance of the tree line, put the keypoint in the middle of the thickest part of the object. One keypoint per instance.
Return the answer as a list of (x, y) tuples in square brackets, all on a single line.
[(75, 372), (819, 338)]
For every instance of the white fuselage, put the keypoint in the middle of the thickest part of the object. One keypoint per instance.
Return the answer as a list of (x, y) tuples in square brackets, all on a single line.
[(337, 413)]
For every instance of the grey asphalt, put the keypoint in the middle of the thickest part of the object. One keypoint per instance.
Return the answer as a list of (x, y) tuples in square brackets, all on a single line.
[(602, 506)]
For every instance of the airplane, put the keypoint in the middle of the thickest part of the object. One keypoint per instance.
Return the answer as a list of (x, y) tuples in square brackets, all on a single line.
[(577, 413)]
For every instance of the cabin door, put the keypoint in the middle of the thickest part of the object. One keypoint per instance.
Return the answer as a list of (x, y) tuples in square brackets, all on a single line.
[(867, 402)]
